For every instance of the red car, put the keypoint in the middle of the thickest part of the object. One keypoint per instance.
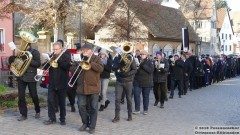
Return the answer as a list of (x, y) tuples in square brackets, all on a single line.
[(45, 79)]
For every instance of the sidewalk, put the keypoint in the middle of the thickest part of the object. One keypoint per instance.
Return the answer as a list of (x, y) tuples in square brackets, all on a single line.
[(215, 105)]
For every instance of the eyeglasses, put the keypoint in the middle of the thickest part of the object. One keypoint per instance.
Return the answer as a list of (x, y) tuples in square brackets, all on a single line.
[(142, 54), (56, 49)]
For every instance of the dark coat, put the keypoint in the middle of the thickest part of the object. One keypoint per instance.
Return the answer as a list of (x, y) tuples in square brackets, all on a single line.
[(89, 80), (107, 69), (187, 70), (144, 75), (31, 71), (58, 77), (160, 75), (124, 76), (177, 70)]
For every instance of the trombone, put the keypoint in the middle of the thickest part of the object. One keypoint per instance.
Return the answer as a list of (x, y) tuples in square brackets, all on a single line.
[(52, 63), (39, 76), (85, 65)]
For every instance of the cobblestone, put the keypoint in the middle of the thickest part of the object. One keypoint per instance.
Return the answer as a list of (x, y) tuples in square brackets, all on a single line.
[(214, 105)]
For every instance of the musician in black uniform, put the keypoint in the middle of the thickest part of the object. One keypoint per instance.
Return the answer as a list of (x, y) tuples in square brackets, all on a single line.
[(28, 80), (58, 84)]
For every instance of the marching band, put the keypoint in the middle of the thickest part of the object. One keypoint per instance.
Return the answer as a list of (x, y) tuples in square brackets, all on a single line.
[(88, 79)]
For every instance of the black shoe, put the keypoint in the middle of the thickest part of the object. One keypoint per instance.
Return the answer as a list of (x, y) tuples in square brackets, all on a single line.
[(161, 106), (83, 127), (101, 108), (62, 123), (129, 118), (166, 99), (171, 97), (107, 102), (48, 122), (73, 108), (156, 103), (122, 101), (179, 96), (91, 130), (115, 120), (22, 118)]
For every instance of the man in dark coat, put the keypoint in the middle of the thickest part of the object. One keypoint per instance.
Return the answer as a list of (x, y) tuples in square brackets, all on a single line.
[(176, 73), (124, 83), (160, 78), (186, 72), (28, 80), (58, 84)]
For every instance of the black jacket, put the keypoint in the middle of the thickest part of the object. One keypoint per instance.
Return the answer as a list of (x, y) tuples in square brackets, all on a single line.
[(177, 70), (160, 75), (124, 76), (144, 75), (107, 69), (187, 70), (31, 71), (58, 77)]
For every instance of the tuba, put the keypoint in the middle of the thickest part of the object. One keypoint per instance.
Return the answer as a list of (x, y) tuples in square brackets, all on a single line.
[(23, 58), (126, 57)]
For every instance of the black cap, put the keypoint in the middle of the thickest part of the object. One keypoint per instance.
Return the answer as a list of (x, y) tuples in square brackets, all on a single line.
[(87, 46)]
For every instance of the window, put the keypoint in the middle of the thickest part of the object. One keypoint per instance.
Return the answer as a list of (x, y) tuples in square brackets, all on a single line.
[(230, 48), (1, 40), (230, 37), (222, 36), (225, 47), (226, 36)]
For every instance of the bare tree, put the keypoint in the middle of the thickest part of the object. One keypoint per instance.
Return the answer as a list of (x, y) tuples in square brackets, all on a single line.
[(60, 15), (124, 20), (196, 10)]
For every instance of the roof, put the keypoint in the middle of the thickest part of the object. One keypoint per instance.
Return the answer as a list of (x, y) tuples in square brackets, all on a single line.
[(162, 22), (204, 11), (235, 17), (220, 17)]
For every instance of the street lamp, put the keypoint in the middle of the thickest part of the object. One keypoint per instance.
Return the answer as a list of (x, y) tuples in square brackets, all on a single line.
[(80, 2), (199, 47)]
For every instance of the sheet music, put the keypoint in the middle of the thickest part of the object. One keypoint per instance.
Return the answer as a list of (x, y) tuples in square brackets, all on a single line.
[(119, 50), (162, 65), (12, 45), (77, 57), (46, 56)]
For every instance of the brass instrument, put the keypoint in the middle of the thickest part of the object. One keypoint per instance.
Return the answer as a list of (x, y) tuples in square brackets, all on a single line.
[(126, 48), (52, 63), (23, 58), (85, 65)]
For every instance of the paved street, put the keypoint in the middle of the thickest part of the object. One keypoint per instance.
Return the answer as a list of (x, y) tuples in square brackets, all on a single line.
[(215, 105)]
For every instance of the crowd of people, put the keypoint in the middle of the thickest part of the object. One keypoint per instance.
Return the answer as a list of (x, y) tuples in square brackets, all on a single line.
[(136, 75)]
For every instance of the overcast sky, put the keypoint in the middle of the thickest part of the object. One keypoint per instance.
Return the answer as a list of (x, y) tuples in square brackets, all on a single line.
[(234, 4)]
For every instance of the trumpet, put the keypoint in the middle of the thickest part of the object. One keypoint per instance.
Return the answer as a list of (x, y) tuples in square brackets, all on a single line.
[(52, 63)]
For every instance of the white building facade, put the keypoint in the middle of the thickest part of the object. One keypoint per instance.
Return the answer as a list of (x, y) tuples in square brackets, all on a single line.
[(226, 36)]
